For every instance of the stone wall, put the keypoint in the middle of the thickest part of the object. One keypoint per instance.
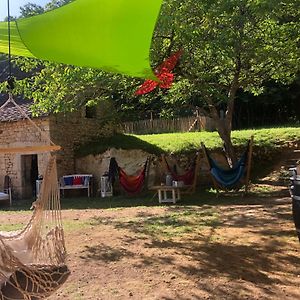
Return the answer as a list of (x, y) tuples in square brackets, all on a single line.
[(133, 160), (68, 131), (71, 130), (21, 134)]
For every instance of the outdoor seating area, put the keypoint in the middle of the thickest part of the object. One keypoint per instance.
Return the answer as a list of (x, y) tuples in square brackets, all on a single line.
[(149, 150), (75, 182)]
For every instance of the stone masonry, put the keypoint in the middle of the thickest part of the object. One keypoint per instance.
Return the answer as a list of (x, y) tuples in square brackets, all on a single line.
[(21, 134), (68, 131)]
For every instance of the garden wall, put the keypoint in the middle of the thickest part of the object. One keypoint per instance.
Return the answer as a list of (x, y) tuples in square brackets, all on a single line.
[(133, 160), (71, 130)]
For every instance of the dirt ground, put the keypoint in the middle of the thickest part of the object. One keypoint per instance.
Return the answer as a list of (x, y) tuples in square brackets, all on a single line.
[(244, 250)]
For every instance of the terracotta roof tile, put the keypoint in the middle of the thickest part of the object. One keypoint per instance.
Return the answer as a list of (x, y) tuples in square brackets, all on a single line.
[(10, 113)]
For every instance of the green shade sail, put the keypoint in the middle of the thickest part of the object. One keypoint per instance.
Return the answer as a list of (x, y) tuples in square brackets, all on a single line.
[(112, 35)]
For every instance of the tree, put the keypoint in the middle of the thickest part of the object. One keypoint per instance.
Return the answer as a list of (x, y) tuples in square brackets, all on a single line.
[(56, 3), (229, 45), (30, 9), (232, 45)]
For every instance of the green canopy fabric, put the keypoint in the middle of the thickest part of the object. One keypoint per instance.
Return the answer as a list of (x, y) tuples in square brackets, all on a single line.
[(112, 35)]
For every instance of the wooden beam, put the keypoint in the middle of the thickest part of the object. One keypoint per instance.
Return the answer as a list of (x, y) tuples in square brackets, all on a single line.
[(31, 149), (249, 162), (216, 185), (164, 164), (192, 188)]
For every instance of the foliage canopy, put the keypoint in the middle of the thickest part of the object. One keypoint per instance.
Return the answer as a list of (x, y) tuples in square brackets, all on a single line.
[(229, 45)]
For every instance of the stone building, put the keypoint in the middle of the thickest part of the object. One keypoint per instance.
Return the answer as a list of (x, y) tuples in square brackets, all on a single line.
[(68, 131)]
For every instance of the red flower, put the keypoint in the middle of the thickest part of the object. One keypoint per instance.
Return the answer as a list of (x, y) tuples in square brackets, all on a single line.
[(163, 73)]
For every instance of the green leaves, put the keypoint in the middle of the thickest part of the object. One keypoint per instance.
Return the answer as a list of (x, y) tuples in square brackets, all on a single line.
[(225, 42)]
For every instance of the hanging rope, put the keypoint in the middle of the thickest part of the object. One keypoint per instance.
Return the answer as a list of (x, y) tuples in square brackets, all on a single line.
[(10, 79), (10, 100), (22, 112)]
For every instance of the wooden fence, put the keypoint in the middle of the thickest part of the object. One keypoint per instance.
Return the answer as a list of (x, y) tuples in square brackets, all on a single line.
[(169, 125)]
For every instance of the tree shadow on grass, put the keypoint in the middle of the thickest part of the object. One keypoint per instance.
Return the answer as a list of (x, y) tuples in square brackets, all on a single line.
[(259, 259), (104, 253)]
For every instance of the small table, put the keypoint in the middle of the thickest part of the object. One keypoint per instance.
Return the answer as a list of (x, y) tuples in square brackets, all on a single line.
[(167, 193)]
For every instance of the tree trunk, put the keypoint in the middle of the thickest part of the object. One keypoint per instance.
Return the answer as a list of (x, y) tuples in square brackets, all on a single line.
[(225, 134), (224, 124)]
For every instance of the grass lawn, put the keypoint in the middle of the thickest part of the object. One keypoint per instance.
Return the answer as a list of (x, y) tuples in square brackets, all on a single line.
[(188, 142)]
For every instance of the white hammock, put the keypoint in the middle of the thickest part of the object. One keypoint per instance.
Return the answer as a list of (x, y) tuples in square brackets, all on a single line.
[(32, 261)]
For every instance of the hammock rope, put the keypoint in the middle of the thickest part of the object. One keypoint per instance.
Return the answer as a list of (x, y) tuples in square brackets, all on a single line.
[(32, 262), (189, 178), (25, 116), (51, 146)]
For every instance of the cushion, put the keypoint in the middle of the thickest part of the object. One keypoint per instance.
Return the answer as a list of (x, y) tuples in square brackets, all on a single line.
[(77, 180), (68, 180)]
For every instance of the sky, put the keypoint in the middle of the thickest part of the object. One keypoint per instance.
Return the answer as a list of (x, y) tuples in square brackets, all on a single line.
[(15, 5)]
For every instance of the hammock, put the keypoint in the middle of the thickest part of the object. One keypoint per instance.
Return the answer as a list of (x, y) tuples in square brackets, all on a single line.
[(229, 178), (232, 178), (189, 178), (131, 184), (32, 262)]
